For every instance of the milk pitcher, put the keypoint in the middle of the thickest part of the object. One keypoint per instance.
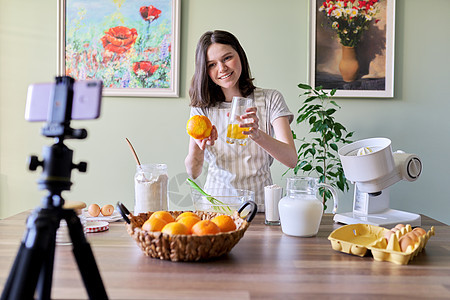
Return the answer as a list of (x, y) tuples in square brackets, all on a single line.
[(301, 210)]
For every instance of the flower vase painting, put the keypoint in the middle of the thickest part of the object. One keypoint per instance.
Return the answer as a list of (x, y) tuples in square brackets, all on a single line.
[(132, 46), (352, 47)]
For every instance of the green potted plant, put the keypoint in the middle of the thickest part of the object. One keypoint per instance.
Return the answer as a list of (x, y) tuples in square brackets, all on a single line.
[(317, 154)]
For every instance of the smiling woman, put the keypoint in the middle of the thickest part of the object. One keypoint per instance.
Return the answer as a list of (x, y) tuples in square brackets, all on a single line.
[(222, 72)]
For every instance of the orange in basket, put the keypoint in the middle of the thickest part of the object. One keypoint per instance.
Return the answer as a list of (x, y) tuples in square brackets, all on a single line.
[(175, 228), (205, 227), (154, 224), (185, 214), (225, 223), (189, 221), (164, 215), (199, 127)]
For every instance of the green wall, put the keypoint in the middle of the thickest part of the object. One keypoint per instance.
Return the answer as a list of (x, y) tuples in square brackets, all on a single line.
[(275, 36)]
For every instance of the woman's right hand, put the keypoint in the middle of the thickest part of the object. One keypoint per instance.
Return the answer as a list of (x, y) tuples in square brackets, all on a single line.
[(201, 143)]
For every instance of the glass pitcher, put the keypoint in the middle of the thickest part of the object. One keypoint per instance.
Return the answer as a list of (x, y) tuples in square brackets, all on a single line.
[(301, 210)]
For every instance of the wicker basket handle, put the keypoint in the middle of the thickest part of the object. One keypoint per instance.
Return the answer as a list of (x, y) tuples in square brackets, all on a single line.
[(123, 211), (253, 210)]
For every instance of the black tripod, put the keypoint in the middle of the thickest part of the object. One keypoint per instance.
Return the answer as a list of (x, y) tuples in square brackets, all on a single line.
[(32, 270)]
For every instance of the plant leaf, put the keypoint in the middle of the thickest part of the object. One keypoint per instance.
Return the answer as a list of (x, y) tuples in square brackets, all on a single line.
[(305, 86)]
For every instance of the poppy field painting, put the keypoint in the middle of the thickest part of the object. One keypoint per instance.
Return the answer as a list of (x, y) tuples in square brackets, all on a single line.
[(131, 45)]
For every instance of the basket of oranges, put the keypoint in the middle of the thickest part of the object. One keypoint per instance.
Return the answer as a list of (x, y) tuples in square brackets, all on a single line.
[(187, 235)]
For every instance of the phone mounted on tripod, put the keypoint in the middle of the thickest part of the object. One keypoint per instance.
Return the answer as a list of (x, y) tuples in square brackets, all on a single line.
[(32, 270)]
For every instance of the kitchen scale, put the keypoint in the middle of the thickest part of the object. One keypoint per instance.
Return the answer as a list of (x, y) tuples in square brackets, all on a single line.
[(372, 166)]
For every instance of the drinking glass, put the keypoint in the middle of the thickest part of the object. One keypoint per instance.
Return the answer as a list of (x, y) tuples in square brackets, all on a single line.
[(234, 132)]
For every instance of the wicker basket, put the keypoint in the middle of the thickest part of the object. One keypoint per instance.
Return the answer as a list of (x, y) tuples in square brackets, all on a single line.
[(185, 247)]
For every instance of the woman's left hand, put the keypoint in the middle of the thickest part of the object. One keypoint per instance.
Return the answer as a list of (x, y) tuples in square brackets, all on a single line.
[(250, 120)]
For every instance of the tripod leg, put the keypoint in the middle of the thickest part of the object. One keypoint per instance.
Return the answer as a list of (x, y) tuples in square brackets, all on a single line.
[(44, 285), (9, 282), (85, 258), (25, 272)]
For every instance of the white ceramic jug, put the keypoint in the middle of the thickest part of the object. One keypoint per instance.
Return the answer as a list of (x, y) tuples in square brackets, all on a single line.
[(300, 210)]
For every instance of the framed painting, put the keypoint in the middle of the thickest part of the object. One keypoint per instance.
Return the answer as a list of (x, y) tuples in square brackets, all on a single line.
[(131, 45), (352, 47)]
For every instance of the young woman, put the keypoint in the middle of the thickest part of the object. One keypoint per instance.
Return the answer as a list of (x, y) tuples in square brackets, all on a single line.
[(222, 72)]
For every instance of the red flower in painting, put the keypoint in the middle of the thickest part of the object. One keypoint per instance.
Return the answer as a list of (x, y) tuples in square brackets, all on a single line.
[(144, 66), (119, 39), (149, 13)]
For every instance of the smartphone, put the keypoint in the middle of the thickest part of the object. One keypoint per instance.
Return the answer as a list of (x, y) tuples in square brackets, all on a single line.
[(87, 96)]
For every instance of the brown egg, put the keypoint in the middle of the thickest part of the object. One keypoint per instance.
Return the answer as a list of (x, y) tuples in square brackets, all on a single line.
[(413, 237), (419, 231), (107, 210), (94, 210), (387, 235), (395, 229), (399, 226), (404, 242)]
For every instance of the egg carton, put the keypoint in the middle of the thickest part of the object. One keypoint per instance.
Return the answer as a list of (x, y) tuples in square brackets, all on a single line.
[(356, 239)]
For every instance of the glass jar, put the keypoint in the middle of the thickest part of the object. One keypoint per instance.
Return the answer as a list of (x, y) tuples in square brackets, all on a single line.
[(150, 188), (300, 210)]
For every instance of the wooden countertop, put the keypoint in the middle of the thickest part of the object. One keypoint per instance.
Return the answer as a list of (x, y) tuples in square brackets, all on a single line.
[(265, 264)]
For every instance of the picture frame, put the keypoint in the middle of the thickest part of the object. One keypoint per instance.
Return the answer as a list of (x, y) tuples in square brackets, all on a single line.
[(132, 46), (374, 51)]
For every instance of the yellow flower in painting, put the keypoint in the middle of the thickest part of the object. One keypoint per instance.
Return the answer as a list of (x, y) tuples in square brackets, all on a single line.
[(350, 18), (340, 4), (337, 13)]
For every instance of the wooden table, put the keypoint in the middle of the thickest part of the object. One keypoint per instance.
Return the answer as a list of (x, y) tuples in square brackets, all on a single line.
[(265, 264)]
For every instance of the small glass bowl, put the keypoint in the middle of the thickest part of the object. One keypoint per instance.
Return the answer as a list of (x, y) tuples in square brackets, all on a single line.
[(223, 200)]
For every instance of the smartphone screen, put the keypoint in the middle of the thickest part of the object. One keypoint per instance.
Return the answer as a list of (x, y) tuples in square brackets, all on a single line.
[(87, 95)]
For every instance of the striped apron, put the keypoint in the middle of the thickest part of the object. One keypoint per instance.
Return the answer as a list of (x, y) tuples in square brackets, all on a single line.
[(234, 166)]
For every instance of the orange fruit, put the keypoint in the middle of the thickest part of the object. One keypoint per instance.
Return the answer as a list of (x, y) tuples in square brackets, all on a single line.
[(225, 223), (199, 127), (187, 213), (154, 224), (175, 228), (205, 227), (162, 214), (189, 221)]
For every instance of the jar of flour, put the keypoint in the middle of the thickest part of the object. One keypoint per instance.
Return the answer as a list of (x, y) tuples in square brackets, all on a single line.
[(150, 188)]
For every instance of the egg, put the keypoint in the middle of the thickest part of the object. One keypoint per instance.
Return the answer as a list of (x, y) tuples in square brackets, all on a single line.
[(107, 210), (399, 226), (413, 237), (387, 235), (419, 231), (94, 210), (405, 241)]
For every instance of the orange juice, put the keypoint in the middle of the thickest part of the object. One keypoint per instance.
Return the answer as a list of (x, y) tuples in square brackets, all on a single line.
[(235, 135)]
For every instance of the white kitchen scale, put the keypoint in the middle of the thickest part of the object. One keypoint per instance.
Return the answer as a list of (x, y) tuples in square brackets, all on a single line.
[(372, 166)]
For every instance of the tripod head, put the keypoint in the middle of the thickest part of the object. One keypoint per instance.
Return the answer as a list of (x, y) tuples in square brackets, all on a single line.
[(57, 159)]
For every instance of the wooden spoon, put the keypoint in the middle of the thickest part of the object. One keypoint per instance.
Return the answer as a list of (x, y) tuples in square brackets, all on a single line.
[(134, 153), (137, 159)]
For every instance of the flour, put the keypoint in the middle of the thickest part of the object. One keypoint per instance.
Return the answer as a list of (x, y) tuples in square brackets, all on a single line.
[(150, 187)]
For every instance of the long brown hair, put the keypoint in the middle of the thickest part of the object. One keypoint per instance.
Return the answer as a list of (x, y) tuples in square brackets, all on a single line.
[(203, 91)]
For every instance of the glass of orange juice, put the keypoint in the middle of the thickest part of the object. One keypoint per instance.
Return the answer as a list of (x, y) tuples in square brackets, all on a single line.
[(234, 132)]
